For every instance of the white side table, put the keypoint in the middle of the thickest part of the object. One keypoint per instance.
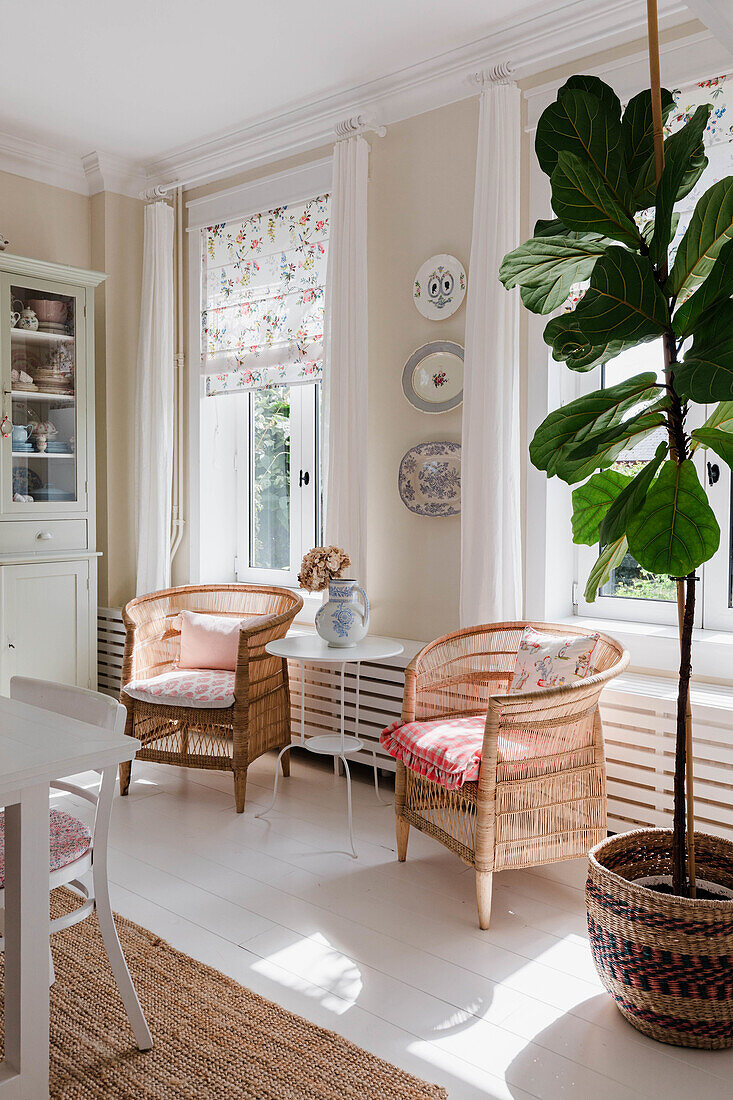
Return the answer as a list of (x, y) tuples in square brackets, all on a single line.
[(311, 649)]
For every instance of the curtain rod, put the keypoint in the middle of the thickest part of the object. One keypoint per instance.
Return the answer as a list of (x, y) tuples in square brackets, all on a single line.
[(346, 128)]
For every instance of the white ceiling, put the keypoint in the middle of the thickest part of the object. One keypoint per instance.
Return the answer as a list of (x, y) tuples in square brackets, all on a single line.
[(140, 77)]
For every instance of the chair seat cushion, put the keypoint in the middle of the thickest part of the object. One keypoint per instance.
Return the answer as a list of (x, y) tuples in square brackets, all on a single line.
[(448, 751), (205, 688), (70, 840)]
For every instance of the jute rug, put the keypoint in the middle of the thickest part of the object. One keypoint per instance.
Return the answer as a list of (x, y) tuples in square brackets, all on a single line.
[(214, 1039)]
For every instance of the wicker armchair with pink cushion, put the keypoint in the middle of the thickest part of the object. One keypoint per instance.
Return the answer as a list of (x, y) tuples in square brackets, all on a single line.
[(540, 789), (219, 719)]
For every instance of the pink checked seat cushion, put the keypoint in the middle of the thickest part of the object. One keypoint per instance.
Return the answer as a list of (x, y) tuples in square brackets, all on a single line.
[(448, 750), (70, 840), (205, 688)]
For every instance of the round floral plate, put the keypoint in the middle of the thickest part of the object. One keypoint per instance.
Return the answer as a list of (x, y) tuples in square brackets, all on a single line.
[(432, 380), (440, 287), (430, 479)]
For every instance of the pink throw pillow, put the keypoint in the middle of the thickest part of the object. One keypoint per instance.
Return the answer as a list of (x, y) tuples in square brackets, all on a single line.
[(209, 641)]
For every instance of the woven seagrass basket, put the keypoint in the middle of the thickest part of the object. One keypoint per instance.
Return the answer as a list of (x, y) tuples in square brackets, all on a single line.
[(666, 961)]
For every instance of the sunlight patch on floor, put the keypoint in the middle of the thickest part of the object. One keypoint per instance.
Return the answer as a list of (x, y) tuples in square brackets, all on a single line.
[(313, 962)]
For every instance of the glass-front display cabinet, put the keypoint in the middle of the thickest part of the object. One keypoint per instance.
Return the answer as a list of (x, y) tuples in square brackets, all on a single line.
[(47, 506)]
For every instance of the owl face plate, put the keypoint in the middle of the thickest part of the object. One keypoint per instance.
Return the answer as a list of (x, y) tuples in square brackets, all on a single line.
[(440, 287)]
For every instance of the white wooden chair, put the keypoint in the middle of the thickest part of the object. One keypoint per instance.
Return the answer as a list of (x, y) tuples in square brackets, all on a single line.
[(78, 855)]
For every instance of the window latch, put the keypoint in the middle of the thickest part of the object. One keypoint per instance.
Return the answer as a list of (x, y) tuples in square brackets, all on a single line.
[(713, 473), (304, 478)]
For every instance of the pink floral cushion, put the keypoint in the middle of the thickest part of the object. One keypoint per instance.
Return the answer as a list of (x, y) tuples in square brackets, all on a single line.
[(70, 840), (448, 751), (205, 688)]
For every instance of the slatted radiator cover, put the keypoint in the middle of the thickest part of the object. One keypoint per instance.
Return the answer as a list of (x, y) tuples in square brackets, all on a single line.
[(638, 722), (639, 717), (110, 648)]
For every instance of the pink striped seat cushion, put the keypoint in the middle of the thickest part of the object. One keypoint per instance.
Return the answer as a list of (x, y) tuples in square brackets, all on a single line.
[(70, 840), (448, 750), (204, 688)]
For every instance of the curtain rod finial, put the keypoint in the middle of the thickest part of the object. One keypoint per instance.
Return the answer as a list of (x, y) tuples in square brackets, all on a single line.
[(502, 73), (358, 124)]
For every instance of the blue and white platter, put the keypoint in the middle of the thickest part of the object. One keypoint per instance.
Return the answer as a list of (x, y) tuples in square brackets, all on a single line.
[(429, 480)]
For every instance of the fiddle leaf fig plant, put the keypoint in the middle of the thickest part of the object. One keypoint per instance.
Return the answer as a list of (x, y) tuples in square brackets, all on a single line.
[(614, 201)]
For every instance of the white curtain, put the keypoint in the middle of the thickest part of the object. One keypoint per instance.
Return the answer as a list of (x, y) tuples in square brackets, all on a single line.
[(491, 543), (155, 402), (345, 382)]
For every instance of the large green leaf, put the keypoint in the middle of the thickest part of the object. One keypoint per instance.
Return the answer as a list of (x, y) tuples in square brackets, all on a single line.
[(610, 557), (594, 412), (717, 287), (707, 371), (637, 136), (628, 432), (675, 530), (547, 267), (583, 200), (593, 85), (581, 123), (623, 302), (721, 417), (570, 344), (591, 502), (630, 499), (711, 226), (684, 158), (717, 440)]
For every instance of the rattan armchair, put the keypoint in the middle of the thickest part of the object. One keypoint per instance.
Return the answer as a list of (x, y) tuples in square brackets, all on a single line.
[(546, 806), (218, 739)]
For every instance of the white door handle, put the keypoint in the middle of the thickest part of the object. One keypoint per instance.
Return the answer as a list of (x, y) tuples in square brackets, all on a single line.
[(44, 535)]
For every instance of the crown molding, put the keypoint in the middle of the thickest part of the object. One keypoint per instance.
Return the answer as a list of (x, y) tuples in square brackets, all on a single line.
[(537, 44), (42, 163), (694, 57), (532, 46), (718, 16), (109, 172)]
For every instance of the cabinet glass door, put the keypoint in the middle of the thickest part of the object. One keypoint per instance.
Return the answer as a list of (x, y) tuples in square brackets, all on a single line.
[(42, 395)]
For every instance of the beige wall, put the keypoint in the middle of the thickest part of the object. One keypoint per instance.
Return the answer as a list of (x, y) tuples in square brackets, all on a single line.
[(104, 232)]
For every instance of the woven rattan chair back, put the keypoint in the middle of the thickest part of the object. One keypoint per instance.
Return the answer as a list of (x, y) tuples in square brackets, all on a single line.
[(219, 739), (544, 803)]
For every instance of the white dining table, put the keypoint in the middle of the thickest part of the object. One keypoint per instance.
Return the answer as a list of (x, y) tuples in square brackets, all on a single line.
[(36, 746)]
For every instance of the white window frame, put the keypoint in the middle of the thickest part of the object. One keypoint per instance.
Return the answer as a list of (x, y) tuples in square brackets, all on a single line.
[(305, 459), (235, 203), (554, 580)]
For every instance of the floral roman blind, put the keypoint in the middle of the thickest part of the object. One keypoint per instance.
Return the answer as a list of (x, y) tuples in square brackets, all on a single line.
[(264, 281)]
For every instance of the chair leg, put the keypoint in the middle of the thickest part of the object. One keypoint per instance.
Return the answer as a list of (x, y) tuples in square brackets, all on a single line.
[(240, 788), (51, 968), (483, 897), (285, 764), (403, 833), (125, 771), (135, 1014)]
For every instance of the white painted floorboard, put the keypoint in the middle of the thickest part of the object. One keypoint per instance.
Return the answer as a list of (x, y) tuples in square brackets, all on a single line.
[(388, 955)]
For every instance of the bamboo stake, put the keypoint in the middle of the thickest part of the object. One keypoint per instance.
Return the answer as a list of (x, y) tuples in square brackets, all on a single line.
[(656, 93)]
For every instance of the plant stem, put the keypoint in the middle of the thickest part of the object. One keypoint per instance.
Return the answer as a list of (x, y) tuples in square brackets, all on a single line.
[(678, 451), (679, 864)]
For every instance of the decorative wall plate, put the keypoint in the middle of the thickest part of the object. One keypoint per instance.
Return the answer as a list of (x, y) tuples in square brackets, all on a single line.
[(440, 287), (430, 479), (432, 379)]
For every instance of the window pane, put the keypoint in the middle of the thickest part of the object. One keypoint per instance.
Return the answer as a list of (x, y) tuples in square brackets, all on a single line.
[(629, 580), (270, 478)]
